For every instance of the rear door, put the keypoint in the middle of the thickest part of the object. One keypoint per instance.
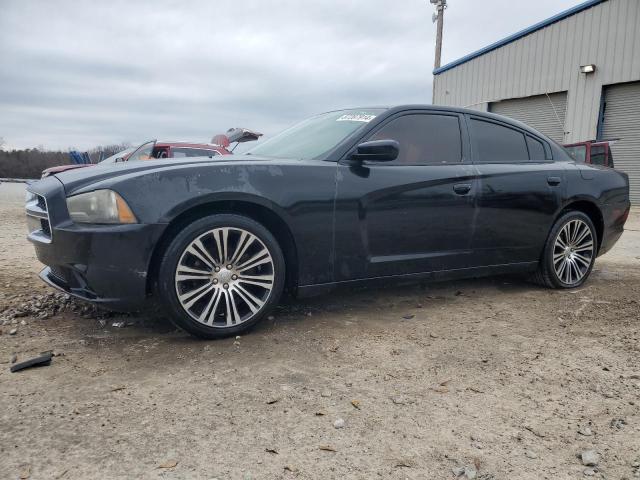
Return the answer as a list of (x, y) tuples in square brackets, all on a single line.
[(520, 191), (414, 214)]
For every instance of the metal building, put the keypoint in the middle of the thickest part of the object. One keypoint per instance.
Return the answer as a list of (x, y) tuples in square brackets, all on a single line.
[(542, 76)]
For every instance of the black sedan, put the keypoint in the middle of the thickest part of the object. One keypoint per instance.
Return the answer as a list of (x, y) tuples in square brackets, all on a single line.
[(343, 198)]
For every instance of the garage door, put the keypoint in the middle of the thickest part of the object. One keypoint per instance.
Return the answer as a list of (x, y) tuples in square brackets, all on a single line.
[(545, 113), (622, 121)]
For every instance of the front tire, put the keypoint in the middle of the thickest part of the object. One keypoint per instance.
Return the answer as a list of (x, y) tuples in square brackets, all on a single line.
[(220, 275), (569, 253)]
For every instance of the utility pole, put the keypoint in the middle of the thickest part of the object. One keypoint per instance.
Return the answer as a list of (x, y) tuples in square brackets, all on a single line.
[(438, 17)]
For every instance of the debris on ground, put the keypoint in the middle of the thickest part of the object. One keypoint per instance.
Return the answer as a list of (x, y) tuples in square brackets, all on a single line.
[(468, 471), (47, 305), (339, 423), (356, 404), (585, 431), (618, 423), (168, 464), (327, 448), (590, 458), (42, 360)]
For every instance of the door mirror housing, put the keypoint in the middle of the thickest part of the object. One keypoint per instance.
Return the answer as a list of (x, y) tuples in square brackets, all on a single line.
[(377, 151)]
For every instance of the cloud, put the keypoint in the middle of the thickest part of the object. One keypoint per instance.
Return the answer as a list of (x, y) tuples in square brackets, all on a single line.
[(93, 72)]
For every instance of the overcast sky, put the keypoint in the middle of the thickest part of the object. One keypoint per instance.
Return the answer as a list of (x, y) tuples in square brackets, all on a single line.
[(86, 73)]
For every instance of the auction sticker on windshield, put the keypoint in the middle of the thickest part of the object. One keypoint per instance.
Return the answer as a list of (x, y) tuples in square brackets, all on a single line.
[(356, 117)]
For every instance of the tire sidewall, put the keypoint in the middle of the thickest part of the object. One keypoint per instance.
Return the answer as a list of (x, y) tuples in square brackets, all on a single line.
[(560, 223), (171, 257)]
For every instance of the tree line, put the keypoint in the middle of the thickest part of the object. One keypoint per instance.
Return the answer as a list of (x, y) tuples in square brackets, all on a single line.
[(30, 162)]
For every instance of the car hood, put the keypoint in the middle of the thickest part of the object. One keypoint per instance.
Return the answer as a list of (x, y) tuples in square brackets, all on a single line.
[(74, 180)]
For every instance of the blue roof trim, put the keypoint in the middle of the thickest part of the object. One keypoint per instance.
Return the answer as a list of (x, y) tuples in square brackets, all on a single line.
[(520, 34)]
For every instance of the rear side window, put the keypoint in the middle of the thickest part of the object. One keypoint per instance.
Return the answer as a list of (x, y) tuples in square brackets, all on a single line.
[(496, 143), (598, 155), (536, 149), (424, 139)]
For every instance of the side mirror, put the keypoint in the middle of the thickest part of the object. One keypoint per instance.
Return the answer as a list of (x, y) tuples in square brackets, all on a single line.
[(377, 151)]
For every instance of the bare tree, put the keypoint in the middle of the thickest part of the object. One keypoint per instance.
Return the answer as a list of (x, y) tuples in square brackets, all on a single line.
[(1, 143)]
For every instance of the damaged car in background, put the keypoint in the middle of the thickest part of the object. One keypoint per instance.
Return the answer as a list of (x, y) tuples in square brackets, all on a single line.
[(220, 145), (353, 197)]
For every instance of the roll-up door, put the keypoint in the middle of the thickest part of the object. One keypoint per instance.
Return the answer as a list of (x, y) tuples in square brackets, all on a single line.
[(622, 121), (545, 113)]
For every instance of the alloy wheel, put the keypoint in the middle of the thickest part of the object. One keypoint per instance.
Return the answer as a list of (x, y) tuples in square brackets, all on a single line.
[(224, 277), (573, 252)]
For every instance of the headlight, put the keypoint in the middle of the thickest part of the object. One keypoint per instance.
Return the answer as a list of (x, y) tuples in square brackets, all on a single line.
[(99, 206)]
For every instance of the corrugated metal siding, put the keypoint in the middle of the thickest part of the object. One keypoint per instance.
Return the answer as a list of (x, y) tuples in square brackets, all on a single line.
[(545, 113), (622, 120), (549, 59)]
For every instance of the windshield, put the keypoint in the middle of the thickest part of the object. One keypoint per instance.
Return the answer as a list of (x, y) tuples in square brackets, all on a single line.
[(143, 152), (317, 135), (114, 158)]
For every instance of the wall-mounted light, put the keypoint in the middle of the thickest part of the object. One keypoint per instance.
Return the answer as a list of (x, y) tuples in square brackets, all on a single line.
[(588, 68)]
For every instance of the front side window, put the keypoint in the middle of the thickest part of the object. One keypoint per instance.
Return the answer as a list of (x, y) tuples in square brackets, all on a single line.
[(192, 152), (316, 136), (424, 139), (496, 143)]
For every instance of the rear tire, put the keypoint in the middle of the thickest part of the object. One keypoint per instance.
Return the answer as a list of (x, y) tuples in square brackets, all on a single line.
[(569, 253), (221, 275)]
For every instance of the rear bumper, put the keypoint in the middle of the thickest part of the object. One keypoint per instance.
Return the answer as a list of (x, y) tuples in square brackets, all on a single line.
[(615, 217)]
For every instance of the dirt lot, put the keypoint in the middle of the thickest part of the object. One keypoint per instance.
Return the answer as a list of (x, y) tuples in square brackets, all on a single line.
[(495, 374)]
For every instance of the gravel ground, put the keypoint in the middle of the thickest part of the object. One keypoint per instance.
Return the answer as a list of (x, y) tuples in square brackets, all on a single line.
[(417, 382)]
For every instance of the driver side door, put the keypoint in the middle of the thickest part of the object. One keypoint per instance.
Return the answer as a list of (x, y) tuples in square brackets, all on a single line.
[(411, 215)]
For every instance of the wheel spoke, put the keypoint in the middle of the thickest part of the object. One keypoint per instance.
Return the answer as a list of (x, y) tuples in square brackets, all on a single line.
[(208, 314), (225, 244), (586, 233), (252, 302), (582, 259), (193, 251), (561, 241), (196, 295), (244, 243), (259, 258), (585, 246), (218, 246), (560, 270)]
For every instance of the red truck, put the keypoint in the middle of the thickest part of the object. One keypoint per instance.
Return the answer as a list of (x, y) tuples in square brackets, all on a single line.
[(594, 152)]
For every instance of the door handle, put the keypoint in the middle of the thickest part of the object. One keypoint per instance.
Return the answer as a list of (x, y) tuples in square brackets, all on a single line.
[(553, 181), (462, 188)]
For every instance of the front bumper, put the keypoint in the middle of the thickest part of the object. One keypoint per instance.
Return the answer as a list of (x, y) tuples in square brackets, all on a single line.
[(103, 264)]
